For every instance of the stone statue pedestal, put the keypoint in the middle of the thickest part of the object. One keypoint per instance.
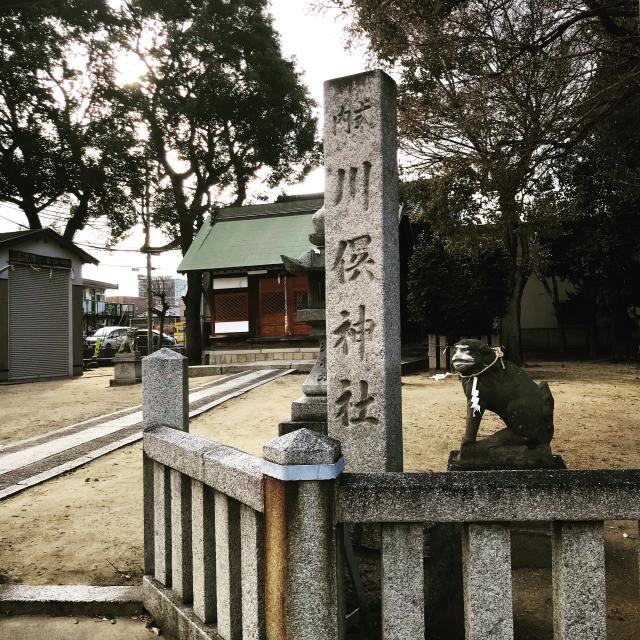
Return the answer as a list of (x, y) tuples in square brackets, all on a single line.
[(490, 454), (127, 369)]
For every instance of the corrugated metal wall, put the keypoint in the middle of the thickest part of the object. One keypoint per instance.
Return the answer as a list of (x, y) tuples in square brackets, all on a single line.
[(38, 322)]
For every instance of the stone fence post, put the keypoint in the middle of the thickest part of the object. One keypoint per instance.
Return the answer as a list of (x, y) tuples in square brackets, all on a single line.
[(302, 589), (165, 403)]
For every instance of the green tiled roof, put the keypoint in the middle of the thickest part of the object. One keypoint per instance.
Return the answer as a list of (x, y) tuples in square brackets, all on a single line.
[(252, 236)]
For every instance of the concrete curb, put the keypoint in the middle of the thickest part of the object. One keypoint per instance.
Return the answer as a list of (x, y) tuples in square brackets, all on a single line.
[(70, 600), (174, 618)]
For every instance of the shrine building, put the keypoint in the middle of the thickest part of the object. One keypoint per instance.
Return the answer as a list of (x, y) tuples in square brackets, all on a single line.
[(250, 298)]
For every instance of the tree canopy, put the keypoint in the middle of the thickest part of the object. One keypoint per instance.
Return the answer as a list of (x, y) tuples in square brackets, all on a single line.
[(220, 105), (596, 245), (454, 292), (63, 137), (493, 97)]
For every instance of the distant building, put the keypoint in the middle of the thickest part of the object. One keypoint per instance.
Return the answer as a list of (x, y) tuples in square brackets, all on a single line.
[(139, 304), (100, 312), (41, 305), (175, 288)]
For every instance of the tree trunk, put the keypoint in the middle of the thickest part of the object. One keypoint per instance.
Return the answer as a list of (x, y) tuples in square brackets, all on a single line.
[(557, 307), (78, 220), (31, 212), (161, 328), (621, 333), (592, 336), (517, 245), (510, 335), (192, 317)]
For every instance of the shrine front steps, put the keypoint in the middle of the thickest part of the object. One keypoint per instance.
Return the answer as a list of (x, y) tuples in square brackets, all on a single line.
[(302, 366), (259, 355), (409, 366)]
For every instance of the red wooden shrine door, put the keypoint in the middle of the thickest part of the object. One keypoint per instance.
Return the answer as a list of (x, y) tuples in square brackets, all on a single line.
[(279, 301)]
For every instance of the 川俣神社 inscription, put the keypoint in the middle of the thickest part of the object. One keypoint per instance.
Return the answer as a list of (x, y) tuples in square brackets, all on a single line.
[(361, 245), (354, 331)]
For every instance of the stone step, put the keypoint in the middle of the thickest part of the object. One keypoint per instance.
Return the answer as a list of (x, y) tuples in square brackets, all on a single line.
[(70, 600), (271, 355), (302, 366)]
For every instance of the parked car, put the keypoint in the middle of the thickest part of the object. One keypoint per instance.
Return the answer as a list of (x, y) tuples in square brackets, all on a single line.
[(105, 342), (167, 341)]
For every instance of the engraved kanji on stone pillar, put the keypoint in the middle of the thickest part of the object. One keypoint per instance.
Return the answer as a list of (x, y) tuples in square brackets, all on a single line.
[(362, 270)]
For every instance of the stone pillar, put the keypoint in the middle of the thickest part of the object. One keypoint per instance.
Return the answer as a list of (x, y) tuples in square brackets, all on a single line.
[(488, 600), (579, 584), (165, 390), (362, 271), (165, 403), (301, 583)]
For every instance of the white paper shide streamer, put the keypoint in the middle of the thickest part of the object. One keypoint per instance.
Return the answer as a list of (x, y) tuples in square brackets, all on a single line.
[(475, 396)]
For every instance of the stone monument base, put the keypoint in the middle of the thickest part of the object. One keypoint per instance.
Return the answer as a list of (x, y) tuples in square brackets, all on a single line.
[(287, 426), (127, 369), (307, 412)]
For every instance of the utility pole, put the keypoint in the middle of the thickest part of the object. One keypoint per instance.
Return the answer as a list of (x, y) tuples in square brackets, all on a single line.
[(147, 244)]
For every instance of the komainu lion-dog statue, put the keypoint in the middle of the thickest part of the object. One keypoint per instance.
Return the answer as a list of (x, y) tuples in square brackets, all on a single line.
[(492, 383)]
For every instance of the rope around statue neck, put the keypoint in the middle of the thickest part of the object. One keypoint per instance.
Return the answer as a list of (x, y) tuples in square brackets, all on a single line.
[(499, 355)]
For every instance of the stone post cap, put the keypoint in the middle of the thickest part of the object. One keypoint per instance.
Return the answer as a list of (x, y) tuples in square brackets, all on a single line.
[(302, 446), (165, 354), (359, 77)]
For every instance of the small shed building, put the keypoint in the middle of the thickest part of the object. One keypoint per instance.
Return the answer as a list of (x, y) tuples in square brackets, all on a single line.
[(41, 312)]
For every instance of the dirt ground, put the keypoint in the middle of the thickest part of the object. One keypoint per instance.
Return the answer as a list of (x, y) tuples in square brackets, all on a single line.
[(37, 407), (86, 526)]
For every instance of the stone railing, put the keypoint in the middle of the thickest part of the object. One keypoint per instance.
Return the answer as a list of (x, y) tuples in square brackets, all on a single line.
[(205, 541), (488, 503), (238, 547)]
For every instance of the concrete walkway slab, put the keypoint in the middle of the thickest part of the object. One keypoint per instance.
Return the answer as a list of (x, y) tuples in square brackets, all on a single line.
[(35, 460)]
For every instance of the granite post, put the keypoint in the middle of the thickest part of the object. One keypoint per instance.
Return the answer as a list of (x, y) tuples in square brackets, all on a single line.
[(301, 578), (488, 599), (362, 271), (165, 390), (165, 402), (579, 581)]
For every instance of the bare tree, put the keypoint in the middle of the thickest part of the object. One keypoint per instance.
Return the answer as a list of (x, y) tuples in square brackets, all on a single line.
[(162, 304), (486, 112)]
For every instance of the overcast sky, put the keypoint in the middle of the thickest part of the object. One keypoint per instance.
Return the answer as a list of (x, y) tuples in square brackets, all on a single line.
[(317, 41)]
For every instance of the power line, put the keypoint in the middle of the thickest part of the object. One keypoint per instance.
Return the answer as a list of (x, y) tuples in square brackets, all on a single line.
[(14, 222), (92, 246)]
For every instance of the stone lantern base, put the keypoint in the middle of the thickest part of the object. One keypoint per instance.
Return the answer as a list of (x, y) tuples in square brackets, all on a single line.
[(127, 369)]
